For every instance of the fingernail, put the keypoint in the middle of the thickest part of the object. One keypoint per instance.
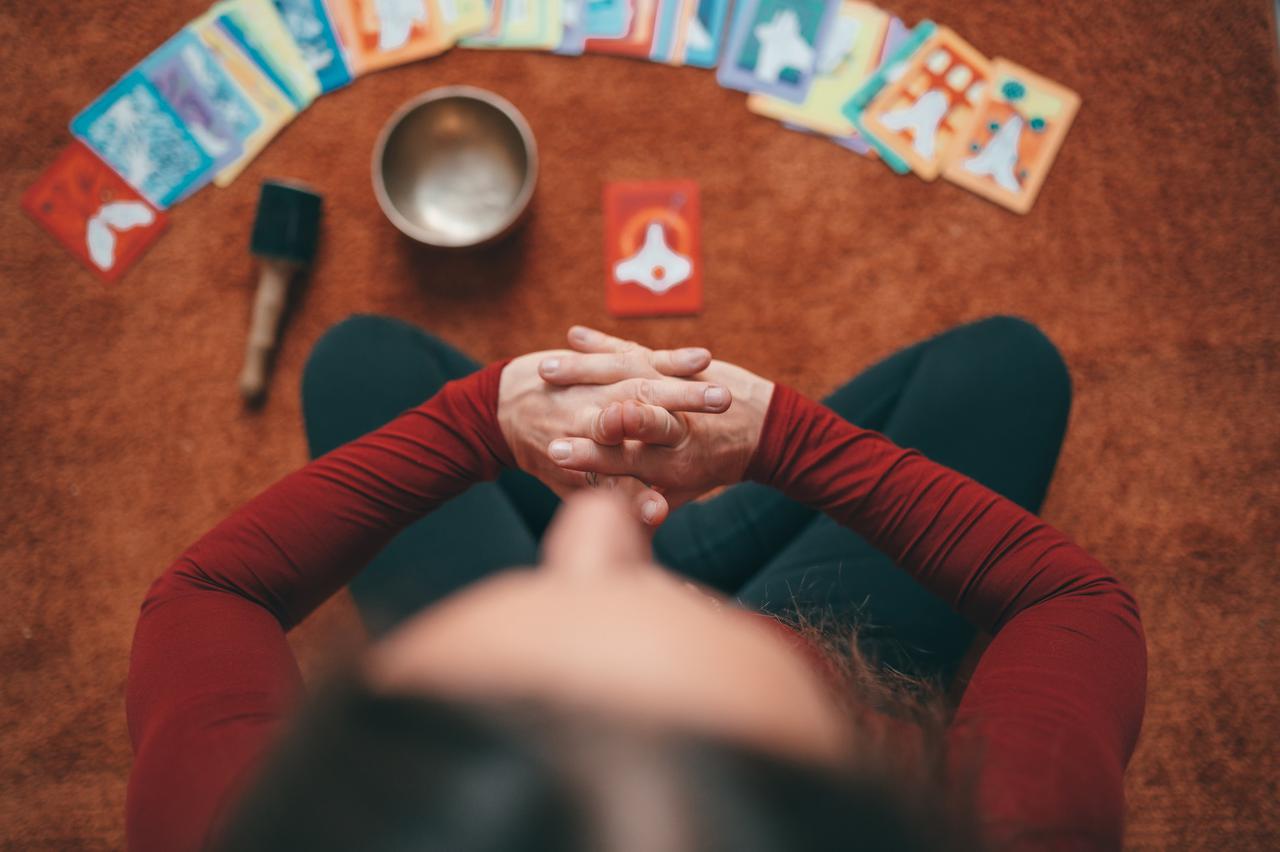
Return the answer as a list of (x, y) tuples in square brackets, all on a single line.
[(649, 511), (550, 365), (691, 358), (560, 450), (580, 334), (716, 397)]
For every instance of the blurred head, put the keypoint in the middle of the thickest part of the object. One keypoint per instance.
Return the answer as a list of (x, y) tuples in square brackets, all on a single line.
[(596, 703)]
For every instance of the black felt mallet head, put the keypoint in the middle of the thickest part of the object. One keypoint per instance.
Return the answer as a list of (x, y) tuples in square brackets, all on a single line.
[(285, 231)]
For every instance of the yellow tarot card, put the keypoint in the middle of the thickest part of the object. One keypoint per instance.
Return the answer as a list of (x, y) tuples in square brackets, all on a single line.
[(460, 18), (848, 55), (273, 105), (379, 35), (536, 24), (268, 28), (1020, 127), (930, 103)]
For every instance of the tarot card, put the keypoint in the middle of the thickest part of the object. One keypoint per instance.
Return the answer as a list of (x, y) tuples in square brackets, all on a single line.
[(90, 210), (382, 33), (637, 40), (178, 85), (607, 18), (895, 61), (491, 34), (698, 40), (573, 16), (669, 18), (928, 102), (846, 57), (309, 23), (273, 108), (135, 131), (532, 24), (1020, 127), (234, 107), (258, 29), (774, 44), (459, 18), (652, 251)]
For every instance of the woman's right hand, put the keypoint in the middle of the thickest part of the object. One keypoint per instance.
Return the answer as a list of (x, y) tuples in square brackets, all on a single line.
[(633, 438)]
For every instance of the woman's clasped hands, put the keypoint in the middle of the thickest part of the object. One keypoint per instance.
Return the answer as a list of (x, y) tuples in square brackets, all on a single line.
[(661, 427)]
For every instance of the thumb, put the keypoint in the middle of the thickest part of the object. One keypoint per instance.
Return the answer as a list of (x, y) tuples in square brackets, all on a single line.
[(595, 531)]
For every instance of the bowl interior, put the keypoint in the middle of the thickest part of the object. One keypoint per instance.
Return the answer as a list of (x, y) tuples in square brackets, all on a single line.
[(455, 169)]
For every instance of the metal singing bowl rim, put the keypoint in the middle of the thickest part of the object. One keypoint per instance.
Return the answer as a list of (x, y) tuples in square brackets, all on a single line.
[(518, 205)]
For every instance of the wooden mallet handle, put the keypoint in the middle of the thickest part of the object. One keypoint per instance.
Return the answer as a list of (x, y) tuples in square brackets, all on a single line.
[(268, 305)]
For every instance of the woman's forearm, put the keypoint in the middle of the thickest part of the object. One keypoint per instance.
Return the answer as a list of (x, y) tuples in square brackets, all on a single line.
[(986, 556), (302, 539), (1052, 713), (211, 674)]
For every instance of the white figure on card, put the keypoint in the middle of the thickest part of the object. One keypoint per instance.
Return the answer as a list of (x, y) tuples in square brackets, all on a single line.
[(922, 118), (782, 47), (396, 19), (838, 44), (102, 227), (656, 266), (1000, 157)]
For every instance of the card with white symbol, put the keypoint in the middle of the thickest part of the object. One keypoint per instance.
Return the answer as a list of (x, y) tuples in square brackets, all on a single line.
[(928, 101), (774, 46), (652, 248), (93, 212), (1019, 129)]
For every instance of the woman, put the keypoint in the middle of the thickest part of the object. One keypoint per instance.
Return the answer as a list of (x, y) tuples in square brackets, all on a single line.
[(602, 701)]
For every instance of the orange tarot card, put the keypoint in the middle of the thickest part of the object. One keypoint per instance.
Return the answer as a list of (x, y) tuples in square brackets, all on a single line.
[(91, 210), (379, 35), (1020, 128), (931, 103), (651, 248)]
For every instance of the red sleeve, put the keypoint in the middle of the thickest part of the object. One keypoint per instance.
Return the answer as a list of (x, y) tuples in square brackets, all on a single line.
[(211, 675), (1052, 713)]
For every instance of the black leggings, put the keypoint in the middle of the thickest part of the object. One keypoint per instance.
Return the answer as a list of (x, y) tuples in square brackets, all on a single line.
[(989, 399)]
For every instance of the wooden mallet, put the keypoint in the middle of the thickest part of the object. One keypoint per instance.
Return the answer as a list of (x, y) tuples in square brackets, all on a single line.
[(284, 238)]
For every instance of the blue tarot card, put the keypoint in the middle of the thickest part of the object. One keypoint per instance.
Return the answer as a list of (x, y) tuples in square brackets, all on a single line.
[(309, 23), (135, 131), (606, 18), (706, 32), (225, 95), (773, 46), (665, 24), (173, 78)]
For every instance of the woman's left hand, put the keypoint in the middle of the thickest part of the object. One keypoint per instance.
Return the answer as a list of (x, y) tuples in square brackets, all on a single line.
[(532, 413)]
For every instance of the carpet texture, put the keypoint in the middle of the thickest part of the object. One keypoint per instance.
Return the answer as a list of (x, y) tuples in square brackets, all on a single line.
[(1151, 258)]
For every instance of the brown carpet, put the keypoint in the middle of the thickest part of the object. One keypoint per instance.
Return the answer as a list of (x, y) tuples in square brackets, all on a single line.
[(1152, 259)]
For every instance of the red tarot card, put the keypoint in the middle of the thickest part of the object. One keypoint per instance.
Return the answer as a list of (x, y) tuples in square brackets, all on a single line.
[(651, 248), (91, 210)]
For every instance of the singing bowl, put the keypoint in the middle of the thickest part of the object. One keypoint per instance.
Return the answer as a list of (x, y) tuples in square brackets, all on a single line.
[(455, 167)]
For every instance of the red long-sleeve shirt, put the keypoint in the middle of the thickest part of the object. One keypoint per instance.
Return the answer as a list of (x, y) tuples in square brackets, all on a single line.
[(1053, 708)]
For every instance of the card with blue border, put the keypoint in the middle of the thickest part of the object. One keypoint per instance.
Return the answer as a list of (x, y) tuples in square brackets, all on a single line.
[(136, 132), (309, 23)]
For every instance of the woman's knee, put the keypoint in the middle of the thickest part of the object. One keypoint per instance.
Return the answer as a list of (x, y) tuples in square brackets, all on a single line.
[(369, 340), (356, 333), (1022, 344), (1015, 360)]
